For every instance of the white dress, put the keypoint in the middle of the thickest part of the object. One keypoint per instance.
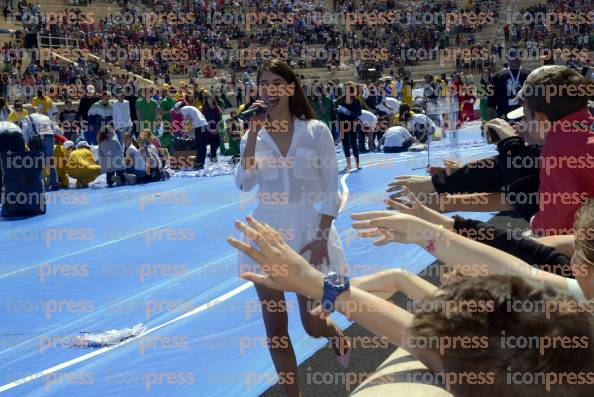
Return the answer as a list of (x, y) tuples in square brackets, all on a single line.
[(291, 187)]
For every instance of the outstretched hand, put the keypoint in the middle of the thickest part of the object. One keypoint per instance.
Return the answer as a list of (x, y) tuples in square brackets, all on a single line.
[(416, 184), (413, 206), (285, 269), (391, 227)]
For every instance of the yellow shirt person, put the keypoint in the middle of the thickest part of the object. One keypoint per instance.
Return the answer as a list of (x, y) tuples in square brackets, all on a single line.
[(15, 115), (43, 104)]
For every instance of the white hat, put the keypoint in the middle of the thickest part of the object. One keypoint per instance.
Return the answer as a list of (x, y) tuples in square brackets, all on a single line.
[(82, 144), (68, 144), (91, 89), (179, 105)]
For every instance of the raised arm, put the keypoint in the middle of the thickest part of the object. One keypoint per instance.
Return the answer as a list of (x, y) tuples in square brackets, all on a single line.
[(288, 271), (479, 202), (386, 283), (465, 255)]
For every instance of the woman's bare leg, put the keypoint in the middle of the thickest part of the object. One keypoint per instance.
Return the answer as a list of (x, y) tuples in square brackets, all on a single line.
[(276, 322)]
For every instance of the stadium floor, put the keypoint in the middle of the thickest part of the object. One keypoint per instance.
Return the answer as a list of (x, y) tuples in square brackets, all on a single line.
[(156, 254)]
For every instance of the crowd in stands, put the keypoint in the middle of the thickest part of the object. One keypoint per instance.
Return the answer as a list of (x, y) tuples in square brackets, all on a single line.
[(539, 34)]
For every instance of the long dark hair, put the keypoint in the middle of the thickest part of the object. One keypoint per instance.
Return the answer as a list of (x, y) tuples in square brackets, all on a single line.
[(298, 103), (103, 133)]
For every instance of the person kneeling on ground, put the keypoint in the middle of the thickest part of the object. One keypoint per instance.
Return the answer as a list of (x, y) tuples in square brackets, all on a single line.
[(420, 125), (397, 139), (110, 156), (424, 333), (150, 154), (135, 164), (61, 154), (82, 166)]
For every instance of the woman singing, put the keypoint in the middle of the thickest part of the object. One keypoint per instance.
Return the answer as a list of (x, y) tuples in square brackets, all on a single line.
[(292, 159)]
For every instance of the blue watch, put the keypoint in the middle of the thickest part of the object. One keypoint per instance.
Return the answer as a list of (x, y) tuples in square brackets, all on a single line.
[(334, 285)]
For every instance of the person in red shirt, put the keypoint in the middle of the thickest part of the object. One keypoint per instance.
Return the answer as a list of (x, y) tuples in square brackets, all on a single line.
[(555, 108)]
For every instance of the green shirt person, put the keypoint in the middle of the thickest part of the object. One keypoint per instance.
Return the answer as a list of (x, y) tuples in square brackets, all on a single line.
[(146, 112), (322, 106), (166, 105)]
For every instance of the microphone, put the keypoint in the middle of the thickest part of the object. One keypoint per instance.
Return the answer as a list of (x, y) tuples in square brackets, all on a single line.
[(248, 114)]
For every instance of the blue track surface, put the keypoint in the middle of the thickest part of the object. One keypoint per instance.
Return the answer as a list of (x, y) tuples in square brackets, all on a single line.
[(105, 259)]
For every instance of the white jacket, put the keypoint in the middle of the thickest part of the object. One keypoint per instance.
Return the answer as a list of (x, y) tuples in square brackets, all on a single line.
[(121, 115)]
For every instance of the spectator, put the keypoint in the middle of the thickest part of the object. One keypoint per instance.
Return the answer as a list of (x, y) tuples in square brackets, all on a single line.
[(322, 105), (238, 95), (37, 126), (122, 121), (146, 112), (397, 139), (88, 99), (233, 136), (4, 110), (43, 103), (100, 114), (151, 157), (505, 86), (430, 96), (466, 100), (18, 113), (132, 98), (82, 166), (199, 124), (166, 105), (562, 124), (407, 88), (68, 121), (349, 109), (453, 103), (135, 164), (213, 115), (421, 126), (61, 153), (435, 322), (483, 94), (110, 156)]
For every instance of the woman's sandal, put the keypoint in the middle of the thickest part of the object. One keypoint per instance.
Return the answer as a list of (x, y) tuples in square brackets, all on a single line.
[(345, 358)]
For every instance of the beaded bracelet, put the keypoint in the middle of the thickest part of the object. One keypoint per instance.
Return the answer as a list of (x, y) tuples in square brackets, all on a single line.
[(431, 242)]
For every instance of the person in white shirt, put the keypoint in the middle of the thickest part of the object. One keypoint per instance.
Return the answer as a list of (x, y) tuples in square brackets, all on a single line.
[(199, 123), (135, 163), (397, 139), (122, 121), (292, 159), (421, 126), (37, 124)]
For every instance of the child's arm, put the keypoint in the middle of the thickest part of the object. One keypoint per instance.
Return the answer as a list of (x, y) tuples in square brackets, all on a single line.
[(387, 283)]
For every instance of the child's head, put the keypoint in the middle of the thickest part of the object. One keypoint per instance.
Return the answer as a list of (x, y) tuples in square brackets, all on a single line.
[(546, 99), (582, 261), (505, 333), (128, 139), (144, 138)]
